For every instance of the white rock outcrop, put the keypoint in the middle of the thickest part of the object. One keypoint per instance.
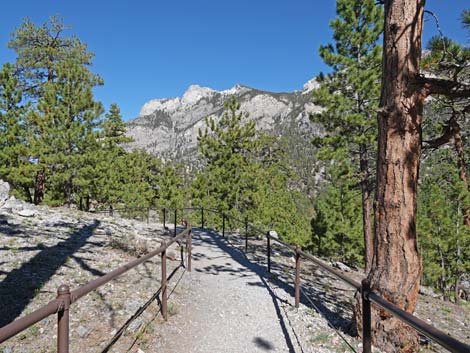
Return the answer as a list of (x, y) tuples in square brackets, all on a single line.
[(169, 127), (4, 192)]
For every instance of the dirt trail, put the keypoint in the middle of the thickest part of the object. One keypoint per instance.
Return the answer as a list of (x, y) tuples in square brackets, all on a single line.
[(230, 307)]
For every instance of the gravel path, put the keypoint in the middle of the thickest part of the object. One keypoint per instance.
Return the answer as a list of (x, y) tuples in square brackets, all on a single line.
[(230, 307)]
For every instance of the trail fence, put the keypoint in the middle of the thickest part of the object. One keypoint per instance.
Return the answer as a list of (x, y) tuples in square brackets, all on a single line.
[(65, 297)]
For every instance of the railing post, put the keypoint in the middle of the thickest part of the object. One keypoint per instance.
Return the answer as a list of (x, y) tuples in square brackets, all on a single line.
[(268, 237), (366, 317), (63, 295), (297, 277), (164, 294), (182, 255), (176, 211), (164, 217), (189, 244), (202, 217), (223, 224), (246, 234)]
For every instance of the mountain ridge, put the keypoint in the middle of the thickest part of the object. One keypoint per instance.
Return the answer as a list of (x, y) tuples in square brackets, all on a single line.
[(168, 127)]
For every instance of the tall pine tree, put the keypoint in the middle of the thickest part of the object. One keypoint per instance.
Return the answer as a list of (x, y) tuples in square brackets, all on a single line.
[(15, 166), (350, 95)]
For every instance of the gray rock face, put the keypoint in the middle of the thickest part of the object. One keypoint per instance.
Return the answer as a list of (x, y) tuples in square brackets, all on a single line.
[(168, 128), (4, 192)]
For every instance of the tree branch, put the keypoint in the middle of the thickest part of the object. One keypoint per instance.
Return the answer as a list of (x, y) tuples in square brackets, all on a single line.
[(441, 140), (447, 88)]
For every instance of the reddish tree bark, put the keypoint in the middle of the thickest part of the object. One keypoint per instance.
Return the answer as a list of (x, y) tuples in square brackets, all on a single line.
[(396, 268)]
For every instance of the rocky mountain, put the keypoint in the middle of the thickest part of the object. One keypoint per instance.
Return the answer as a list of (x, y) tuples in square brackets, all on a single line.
[(168, 127)]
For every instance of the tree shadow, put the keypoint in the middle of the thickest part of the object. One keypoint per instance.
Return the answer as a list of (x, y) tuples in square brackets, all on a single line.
[(315, 294), (11, 229), (141, 310), (246, 270), (21, 285)]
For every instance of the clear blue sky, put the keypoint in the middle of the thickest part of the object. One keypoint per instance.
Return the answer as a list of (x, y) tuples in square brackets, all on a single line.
[(153, 49)]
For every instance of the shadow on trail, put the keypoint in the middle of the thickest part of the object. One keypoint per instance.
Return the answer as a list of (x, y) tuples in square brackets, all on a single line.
[(263, 344), (245, 271), (337, 311), (21, 285), (141, 309)]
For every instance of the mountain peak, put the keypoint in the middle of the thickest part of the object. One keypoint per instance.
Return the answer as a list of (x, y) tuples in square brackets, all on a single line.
[(195, 93), (311, 85)]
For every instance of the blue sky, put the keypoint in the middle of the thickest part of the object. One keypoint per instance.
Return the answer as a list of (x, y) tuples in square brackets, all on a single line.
[(149, 49)]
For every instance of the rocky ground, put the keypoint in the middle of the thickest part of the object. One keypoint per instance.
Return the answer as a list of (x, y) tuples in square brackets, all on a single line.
[(224, 300), (41, 248), (333, 299)]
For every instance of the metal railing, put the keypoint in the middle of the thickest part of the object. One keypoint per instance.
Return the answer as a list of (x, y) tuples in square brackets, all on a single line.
[(65, 298), (367, 295)]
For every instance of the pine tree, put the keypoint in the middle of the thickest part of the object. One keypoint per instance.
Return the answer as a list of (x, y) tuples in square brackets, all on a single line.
[(444, 242), (227, 148), (448, 60), (337, 226), (43, 52), (15, 166), (350, 94), (246, 175), (397, 265), (40, 49), (111, 153), (66, 128)]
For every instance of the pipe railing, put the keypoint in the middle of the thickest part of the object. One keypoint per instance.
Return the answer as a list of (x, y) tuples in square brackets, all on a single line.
[(367, 295), (65, 297)]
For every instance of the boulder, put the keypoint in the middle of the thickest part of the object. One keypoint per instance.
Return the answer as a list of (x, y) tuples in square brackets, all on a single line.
[(27, 212), (428, 291), (341, 266), (464, 289), (4, 192), (13, 205), (273, 234)]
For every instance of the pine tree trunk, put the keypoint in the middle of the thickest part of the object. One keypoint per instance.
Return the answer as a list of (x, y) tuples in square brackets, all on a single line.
[(396, 269), (39, 186), (28, 194), (459, 149), (366, 209)]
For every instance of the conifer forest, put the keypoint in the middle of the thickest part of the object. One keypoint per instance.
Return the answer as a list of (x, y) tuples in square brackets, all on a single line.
[(383, 187)]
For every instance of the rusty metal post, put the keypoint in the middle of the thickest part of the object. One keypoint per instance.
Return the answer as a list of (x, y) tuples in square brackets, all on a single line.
[(176, 212), (366, 317), (63, 295), (269, 251), (164, 218), (189, 244), (148, 214), (202, 217), (164, 294), (182, 255), (246, 234), (297, 277), (223, 225)]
